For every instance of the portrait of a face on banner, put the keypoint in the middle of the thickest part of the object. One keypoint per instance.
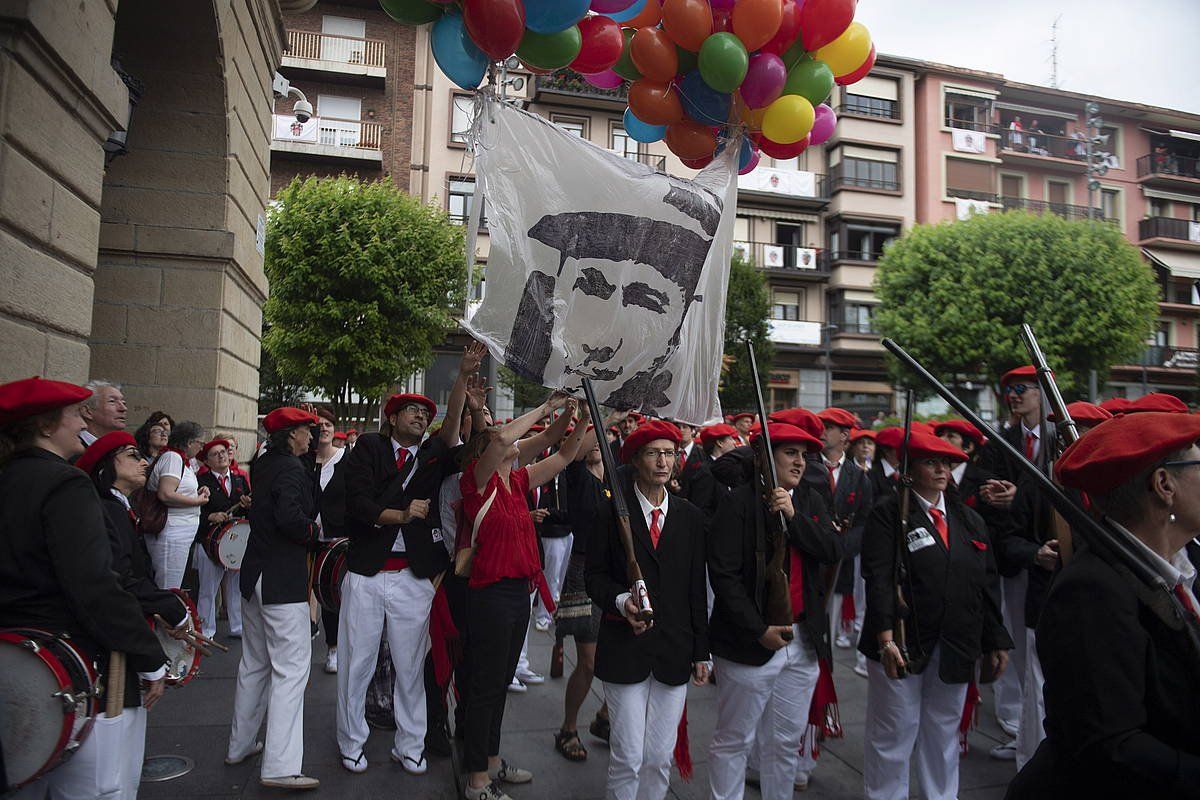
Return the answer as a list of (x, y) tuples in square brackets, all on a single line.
[(600, 267)]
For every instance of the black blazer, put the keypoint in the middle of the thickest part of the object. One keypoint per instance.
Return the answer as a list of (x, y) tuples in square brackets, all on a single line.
[(739, 590), (852, 500), (881, 485), (696, 482), (954, 596), (331, 501), (56, 562), (550, 497), (218, 501), (282, 528), (370, 472), (1122, 699), (674, 575)]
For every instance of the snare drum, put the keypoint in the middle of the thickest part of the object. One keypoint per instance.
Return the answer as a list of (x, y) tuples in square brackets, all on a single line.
[(49, 696), (226, 544), (183, 660), (329, 568)]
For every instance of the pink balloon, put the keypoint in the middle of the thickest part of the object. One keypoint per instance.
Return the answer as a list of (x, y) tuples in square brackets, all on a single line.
[(611, 6), (764, 80), (823, 123), (604, 80), (755, 157), (722, 5)]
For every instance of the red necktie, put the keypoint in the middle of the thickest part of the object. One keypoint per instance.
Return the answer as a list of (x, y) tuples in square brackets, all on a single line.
[(225, 485), (939, 522), (655, 526), (832, 479), (401, 459), (132, 517), (1188, 603), (1029, 439)]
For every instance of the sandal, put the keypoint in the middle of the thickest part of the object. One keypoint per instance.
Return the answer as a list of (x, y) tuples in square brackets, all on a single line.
[(567, 743)]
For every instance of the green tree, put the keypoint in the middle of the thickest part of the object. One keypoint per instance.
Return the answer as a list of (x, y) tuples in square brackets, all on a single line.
[(955, 294), (365, 281), (747, 308)]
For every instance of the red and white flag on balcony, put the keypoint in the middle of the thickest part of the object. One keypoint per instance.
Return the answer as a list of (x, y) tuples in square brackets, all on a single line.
[(601, 267)]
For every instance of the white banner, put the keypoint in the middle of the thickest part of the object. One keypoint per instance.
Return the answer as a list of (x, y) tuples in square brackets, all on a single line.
[(288, 128), (968, 141), (964, 209), (1194, 231), (797, 183), (602, 268)]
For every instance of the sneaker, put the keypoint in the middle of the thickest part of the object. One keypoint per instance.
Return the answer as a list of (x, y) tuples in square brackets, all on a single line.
[(355, 765), (291, 782), (413, 766), (516, 687), (860, 670), (331, 661), (1005, 752), (530, 678), (843, 642), (507, 773), (541, 625), (253, 751), (489, 792), (1009, 726), (801, 782)]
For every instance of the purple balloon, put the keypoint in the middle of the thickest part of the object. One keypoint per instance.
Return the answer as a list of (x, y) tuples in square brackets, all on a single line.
[(722, 5), (611, 6), (764, 80), (604, 80), (755, 157), (823, 124)]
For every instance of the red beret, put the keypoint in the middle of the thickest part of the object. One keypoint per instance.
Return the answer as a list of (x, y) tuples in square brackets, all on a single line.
[(838, 416), (1027, 373), (962, 428), (714, 432), (399, 401), (288, 417), (650, 431), (891, 437), (31, 396), (352, 432), (1118, 449), (339, 436), (926, 445), (862, 433), (100, 448), (782, 433), (801, 418), (1085, 413), (742, 415), (1115, 405), (203, 454), (1158, 401)]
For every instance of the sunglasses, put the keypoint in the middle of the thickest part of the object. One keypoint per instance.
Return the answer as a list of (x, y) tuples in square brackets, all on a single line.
[(1191, 463), (1017, 388)]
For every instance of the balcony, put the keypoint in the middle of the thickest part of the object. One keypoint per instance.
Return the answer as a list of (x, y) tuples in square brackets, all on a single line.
[(1175, 230), (799, 187), (328, 139), (971, 194), (568, 88), (785, 259), (1168, 357), (1047, 150), (870, 107), (339, 59), (1063, 210), (855, 256), (657, 163), (838, 180), (1168, 169), (794, 332)]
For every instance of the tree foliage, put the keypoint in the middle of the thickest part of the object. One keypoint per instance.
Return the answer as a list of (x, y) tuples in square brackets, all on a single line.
[(365, 281), (955, 294), (747, 308)]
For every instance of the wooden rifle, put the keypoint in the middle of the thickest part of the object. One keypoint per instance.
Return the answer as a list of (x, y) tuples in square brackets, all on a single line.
[(899, 566)]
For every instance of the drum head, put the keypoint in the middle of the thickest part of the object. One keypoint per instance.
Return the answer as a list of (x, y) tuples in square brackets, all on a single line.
[(183, 660), (32, 721), (231, 548)]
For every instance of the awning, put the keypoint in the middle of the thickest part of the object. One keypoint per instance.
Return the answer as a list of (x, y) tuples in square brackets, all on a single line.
[(771, 213), (1179, 264), (1174, 197), (1195, 137)]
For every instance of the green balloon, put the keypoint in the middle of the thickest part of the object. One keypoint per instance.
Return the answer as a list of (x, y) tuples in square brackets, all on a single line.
[(412, 12), (723, 62), (812, 80), (550, 50), (688, 60), (795, 54), (624, 66)]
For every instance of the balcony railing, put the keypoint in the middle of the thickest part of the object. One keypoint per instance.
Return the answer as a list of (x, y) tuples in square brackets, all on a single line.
[(839, 180), (969, 125), (1168, 164), (566, 82), (1063, 210), (1161, 355), (352, 134), (658, 163), (851, 255), (794, 184), (1041, 144), (767, 255), (861, 106), (971, 194), (1169, 228), (330, 47)]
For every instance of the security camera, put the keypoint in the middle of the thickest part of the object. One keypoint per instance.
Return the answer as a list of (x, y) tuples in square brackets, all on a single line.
[(303, 111)]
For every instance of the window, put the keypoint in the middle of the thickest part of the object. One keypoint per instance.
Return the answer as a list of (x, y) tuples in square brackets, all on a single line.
[(622, 144), (786, 305), (1157, 207), (1113, 146), (968, 112), (1058, 194), (336, 120), (858, 318), (576, 126), (460, 194), (343, 40), (873, 97), (1012, 186), (462, 112), (1110, 204), (864, 167), (860, 241), (969, 179)]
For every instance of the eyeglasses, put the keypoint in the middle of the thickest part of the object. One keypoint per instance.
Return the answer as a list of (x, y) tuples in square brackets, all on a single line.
[(413, 408), (655, 455), (1190, 463), (1017, 388)]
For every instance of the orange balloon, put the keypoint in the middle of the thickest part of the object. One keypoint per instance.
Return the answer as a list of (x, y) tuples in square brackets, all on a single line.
[(690, 140), (687, 22), (651, 15), (655, 103), (654, 54), (750, 117), (757, 21)]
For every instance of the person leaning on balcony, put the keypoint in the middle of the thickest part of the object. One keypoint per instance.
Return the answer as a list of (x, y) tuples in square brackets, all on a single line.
[(1016, 134)]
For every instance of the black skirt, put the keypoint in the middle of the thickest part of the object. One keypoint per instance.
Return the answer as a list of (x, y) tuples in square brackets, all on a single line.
[(576, 614)]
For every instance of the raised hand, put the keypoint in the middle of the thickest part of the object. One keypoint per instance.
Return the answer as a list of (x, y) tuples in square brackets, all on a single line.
[(557, 400), (477, 391), (472, 357)]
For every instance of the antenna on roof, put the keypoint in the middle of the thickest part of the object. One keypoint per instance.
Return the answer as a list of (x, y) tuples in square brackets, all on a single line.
[(1054, 52)]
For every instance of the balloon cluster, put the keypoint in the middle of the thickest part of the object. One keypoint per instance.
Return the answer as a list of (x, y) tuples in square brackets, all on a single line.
[(698, 70)]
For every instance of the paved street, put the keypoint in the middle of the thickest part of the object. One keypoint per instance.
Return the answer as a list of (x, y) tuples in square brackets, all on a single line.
[(194, 721)]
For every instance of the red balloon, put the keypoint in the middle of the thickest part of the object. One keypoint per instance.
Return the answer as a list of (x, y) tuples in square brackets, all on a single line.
[(860, 73), (789, 30), (783, 151), (688, 139), (697, 163), (603, 44), (496, 26), (822, 21)]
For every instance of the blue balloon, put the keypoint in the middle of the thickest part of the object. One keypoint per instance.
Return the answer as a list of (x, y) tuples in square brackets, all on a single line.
[(641, 131), (624, 16), (458, 57), (703, 103), (555, 16), (747, 153)]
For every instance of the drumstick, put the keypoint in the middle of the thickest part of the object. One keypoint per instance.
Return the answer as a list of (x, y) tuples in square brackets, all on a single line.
[(115, 701), (437, 581), (194, 638)]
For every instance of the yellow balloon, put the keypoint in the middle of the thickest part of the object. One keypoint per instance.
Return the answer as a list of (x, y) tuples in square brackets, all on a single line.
[(847, 52), (788, 120), (750, 117)]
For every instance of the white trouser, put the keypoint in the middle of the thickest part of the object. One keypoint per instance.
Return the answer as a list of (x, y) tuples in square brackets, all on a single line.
[(768, 703), (107, 766), (1008, 687), (860, 594), (400, 601), (644, 719), (276, 651), (212, 577), (917, 712), (169, 554), (1033, 706), (523, 659), (558, 553)]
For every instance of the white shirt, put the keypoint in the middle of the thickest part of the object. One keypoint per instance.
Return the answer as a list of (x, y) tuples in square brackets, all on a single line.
[(87, 437), (223, 479), (940, 505), (687, 451), (1178, 571), (1036, 433), (958, 472), (398, 546), (888, 469), (327, 473), (647, 508), (124, 500), (836, 469)]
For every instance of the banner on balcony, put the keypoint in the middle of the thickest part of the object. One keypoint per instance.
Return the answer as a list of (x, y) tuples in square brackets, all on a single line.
[(290, 129), (601, 267), (968, 141)]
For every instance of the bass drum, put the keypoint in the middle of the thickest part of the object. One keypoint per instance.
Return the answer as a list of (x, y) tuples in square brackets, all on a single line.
[(226, 544), (183, 659), (329, 567), (49, 698)]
